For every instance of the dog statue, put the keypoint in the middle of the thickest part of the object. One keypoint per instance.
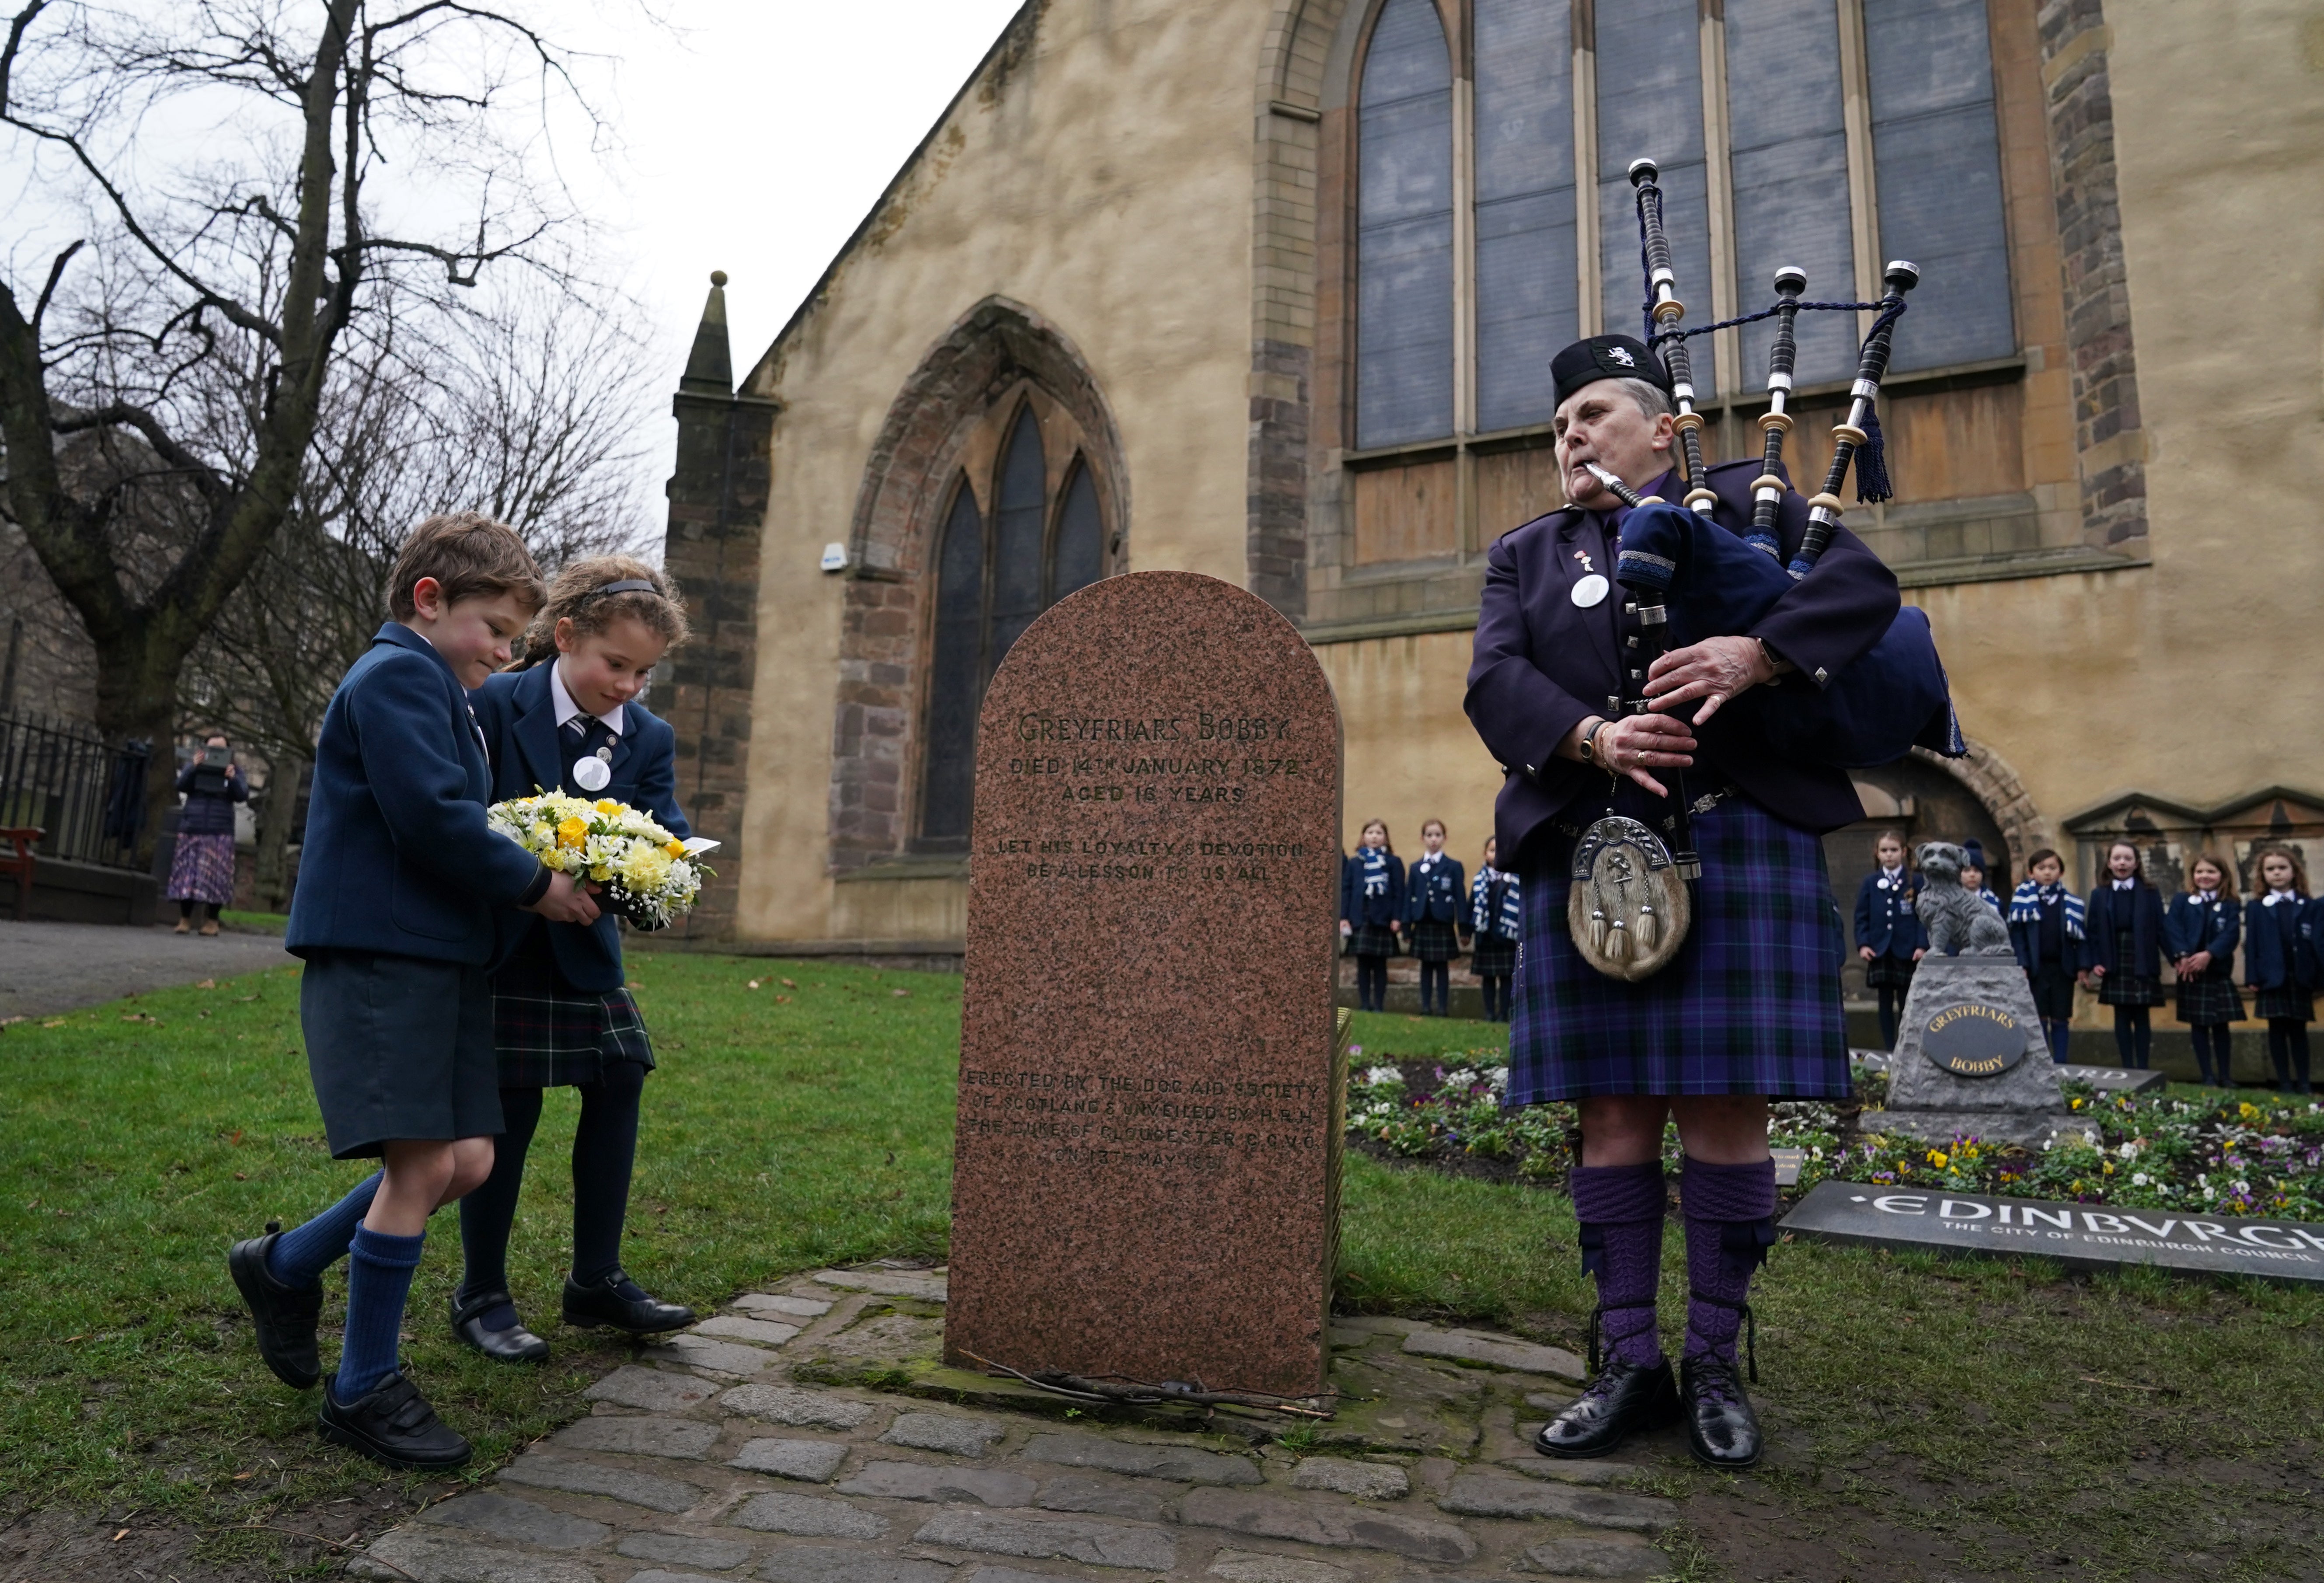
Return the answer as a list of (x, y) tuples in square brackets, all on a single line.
[(1959, 924)]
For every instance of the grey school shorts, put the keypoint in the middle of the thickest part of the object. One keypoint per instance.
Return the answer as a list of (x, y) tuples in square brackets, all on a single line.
[(399, 1047)]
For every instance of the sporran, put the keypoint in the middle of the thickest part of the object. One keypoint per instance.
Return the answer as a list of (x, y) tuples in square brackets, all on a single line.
[(1629, 908)]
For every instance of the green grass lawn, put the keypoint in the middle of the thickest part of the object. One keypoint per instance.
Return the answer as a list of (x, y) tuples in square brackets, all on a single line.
[(1988, 1415)]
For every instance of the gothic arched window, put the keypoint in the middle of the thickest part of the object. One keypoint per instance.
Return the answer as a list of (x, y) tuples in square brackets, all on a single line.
[(1046, 539)]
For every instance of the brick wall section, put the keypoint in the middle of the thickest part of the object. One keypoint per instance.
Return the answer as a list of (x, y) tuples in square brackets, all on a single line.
[(2109, 433), (717, 506), (1278, 504)]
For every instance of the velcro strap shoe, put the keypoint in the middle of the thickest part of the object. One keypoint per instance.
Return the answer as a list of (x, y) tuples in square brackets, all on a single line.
[(393, 1424)]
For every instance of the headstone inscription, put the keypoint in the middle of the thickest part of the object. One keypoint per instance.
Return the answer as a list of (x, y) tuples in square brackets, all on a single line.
[(1145, 1164), (1970, 1060)]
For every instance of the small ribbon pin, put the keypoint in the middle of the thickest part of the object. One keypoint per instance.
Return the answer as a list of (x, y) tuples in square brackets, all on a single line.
[(1584, 557)]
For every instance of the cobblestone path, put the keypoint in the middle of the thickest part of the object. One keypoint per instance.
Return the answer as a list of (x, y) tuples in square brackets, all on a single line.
[(708, 1458)]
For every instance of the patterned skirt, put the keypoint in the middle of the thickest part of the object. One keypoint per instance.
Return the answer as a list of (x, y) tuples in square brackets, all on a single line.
[(2289, 1001), (202, 869), (1749, 1005), (564, 1037), (1885, 972), (2122, 986), (2209, 999), (1434, 941), (1372, 939), (1493, 955)]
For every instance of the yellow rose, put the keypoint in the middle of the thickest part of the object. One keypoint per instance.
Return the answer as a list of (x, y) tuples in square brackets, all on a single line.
[(572, 833), (676, 848), (607, 805)]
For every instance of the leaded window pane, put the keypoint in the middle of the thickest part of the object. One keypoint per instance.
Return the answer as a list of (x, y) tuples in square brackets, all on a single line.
[(1403, 230), (1079, 556), (1527, 287), (956, 675)]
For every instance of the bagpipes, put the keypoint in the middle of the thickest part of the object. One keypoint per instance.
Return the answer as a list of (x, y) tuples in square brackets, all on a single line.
[(1700, 581)]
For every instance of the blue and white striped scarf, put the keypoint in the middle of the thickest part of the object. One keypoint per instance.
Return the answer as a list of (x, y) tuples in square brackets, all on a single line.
[(1479, 894), (1375, 861), (2025, 906)]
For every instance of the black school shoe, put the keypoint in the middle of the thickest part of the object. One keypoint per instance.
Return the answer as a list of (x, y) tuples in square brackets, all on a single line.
[(604, 1301), (1721, 1430), (1626, 1398), (393, 1424), (284, 1317), (514, 1345)]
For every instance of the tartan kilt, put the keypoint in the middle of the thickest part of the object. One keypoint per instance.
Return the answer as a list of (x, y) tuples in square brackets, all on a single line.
[(1372, 939), (1493, 956), (2123, 988), (1434, 941), (1886, 972), (2287, 1001), (202, 869), (565, 1038), (1751, 1003), (2208, 999)]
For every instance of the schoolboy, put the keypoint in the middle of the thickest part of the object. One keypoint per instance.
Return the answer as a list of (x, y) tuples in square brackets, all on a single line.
[(394, 916)]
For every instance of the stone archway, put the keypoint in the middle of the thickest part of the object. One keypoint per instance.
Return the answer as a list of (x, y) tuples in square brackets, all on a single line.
[(1996, 786), (990, 355)]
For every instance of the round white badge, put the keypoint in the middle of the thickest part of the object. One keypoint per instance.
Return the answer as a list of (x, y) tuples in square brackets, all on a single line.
[(593, 773), (1590, 590)]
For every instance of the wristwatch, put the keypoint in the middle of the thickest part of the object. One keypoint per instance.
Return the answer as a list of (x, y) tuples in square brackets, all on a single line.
[(1587, 746)]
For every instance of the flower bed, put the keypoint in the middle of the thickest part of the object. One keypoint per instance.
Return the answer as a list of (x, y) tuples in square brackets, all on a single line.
[(2227, 1154)]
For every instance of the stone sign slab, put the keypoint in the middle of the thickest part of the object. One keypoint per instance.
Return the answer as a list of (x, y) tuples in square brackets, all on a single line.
[(2088, 1236), (1146, 1136), (2113, 1080)]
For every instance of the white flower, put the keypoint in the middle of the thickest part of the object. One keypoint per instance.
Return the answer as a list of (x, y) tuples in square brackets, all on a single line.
[(1381, 1074), (2138, 1178)]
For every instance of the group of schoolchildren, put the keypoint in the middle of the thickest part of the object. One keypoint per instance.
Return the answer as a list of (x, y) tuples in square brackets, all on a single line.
[(1433, 910), (450, 976), (2115, 943)]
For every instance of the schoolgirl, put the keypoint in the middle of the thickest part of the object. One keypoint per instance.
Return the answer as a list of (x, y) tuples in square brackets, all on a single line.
[(1371, 905), (2198, 934), (1972, 876), (2126, 952), (2280, 964), (1889, 934), (569, 718), (1434, 897), (2046, 929), (1495, 911)]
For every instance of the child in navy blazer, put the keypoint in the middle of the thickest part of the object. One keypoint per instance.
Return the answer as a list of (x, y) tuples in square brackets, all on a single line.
[(395, 914), (1496, 912), (1888, 934), (2280, 964), (569, 719), (2200, 930), (2125, 959), (1371, 905), (1435, 895)]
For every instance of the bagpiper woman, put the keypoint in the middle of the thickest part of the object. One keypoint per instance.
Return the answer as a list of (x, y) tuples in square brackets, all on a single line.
[(2046, 929), (2280, 964), (1749, 1005), (1495, 910), (1434, 903), (2126, 956), (2199, 932), (1888, 934), (1371, 905)]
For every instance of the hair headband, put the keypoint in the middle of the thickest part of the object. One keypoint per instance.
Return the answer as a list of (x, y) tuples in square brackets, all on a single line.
[(628, 585)]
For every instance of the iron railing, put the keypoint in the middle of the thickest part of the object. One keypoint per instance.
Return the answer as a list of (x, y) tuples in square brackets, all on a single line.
[(87, 797)]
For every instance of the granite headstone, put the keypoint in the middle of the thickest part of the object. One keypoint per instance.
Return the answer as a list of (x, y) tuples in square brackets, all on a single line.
[(1971, 1059), (1145, 1171)]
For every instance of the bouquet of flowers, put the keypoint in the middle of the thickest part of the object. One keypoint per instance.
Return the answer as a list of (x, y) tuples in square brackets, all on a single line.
[(647, 874)]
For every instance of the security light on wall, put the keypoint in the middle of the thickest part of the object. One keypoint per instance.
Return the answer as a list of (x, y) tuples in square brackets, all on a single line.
[(835, 557)]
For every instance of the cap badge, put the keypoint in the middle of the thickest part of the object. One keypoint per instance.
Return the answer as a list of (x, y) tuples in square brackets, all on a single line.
[(1622, 354)]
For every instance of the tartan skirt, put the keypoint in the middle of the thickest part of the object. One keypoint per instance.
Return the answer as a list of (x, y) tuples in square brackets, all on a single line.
[(1434, 941), (1749, 1005), (202, 869), (561, 1038), (1493, 955), (2122, 986), (2208, 999), (1885, 972), (2287, 1001), (1372, 939)]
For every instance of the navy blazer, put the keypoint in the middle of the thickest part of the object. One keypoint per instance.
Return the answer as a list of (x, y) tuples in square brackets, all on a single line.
[(1543, 665), (398, 858), (519, 714), (1357, 907), (1441, 894), (1888, 920), (2110, 911), (2280, 944), (2191, 925)]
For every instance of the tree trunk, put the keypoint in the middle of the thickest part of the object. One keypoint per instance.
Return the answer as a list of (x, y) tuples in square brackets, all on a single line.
[(137, 698), (272, 866)]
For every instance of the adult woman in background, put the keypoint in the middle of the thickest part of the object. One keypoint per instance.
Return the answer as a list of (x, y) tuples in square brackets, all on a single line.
[(201, 871)]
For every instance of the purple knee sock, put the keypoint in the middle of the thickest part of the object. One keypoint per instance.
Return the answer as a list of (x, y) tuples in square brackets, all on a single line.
[(1730, 1225), (1620, 1208)]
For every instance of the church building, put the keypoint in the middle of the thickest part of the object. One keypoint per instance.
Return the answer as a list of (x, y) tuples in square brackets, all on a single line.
[(1268, 290)]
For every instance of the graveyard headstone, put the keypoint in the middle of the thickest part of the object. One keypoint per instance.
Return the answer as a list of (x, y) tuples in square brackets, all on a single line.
[(1146, 1165)]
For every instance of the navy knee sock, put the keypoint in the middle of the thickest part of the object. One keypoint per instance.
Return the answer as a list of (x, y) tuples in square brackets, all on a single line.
[(379, 1281), (487, 1214), (300, 1255), (604, 1151)]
